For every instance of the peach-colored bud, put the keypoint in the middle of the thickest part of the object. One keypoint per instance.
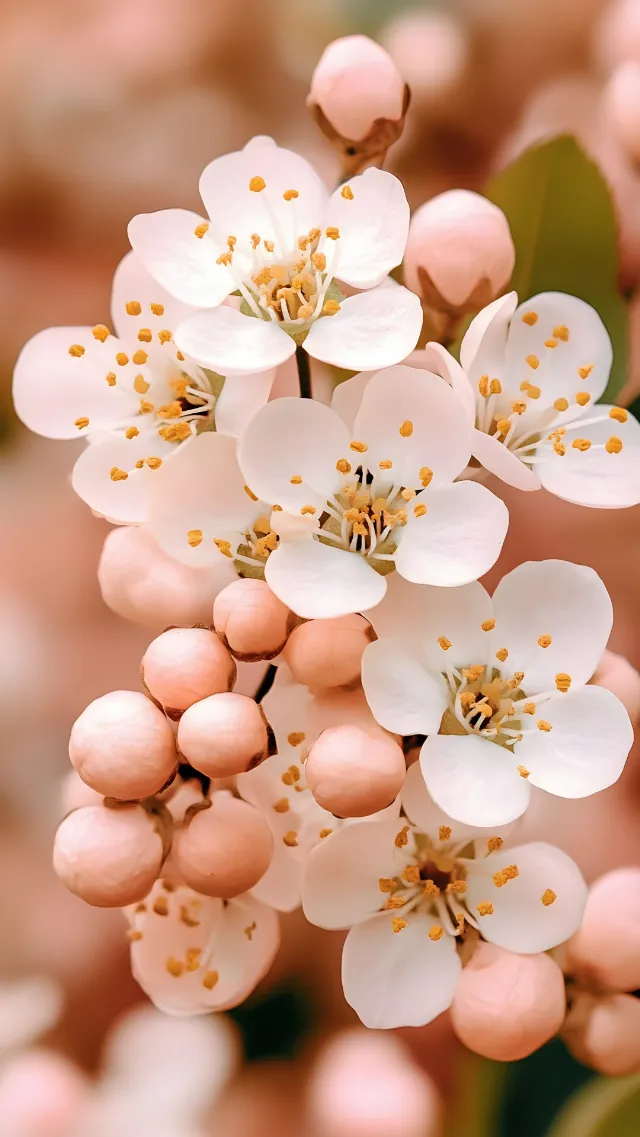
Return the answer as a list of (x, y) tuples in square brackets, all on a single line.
[(365, 1084), (617, 34), (251, 620), (353, 771), (619, 676), (122, 746), (74, 793), (460, 253), (109, 856), (225, 850), (42, 1094), (223, 735), (606, 948), (142, 584), (355, 83), (603, 1031), (328, 653), (184, 665), (430, 50), (508, 1005), (622, 107)]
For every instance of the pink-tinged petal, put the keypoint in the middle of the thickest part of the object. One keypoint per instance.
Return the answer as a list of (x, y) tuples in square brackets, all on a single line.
[(495, 458), (422, 810), (341, 883), (123, 500), (53, 389), (404, 697), (229, 342), (473, 780), (281, 885), (484, 345), (139, 304), (597, 477), (181, 261), (241, 398), (435, 357), (372, 330), (347, 398), (394, 979), (317, 581), (373, 224), (457, 540)]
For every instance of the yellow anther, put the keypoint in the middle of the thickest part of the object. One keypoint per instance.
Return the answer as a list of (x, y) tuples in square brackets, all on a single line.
[(523, 772), (250, 493), (444, 833), (282, 806), (319, 261), (305, 311), (359, 447), (296, 480), (533, 362), (411, 874), (530, 318), (290, 839), (436, 932), (420, 510), (485, 908), (563, 681), (495, 387), (347, 193), (165, 335), (408, 494), (291, 776), (529, 709), (582, 398), (201, 229), (386, 464), (139, 464), (406, 429), (401, 839), (134, 936), (342, 466), (325, 833), (619, 414), (133, 308), (146, 407), (111, 378), (550, 343), (122, 359), (503, 426), (139, 358), (257, 184), (209, 980), (518, 408), (457, 887), (81, 423), (483, 385), (613, 445), (561, 332), (225, 258), (494, 843), (223, 546), (132, 432), (157, 309), (255, 240), (232, 242), (194, 538), (100, 332), (398, 924), (154, 463), (548, 897), (295, 737), (386, 884), (330, 308), (175, 967), (544, 725), (118, 475), (584, 372), (394, 902), (140, 385), (488, 625), (581, 444), (332, 233), (425, 475), (533, 392), (290, 194), (193, 958), (179, 356), (145, 335), (559, 448), (445, 644), (269, 245), (308, 510), (502, 654), (561, 404), (545, 641)]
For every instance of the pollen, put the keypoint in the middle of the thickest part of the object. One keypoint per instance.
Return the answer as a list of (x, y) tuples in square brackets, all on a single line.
[(290, 839), (457, 887), (122, 359), (530, 318), (132, 432), (100, 332), (180, 356), (140, 385), (561, 332), (290, 194), (133, 308), (347, 193), (523, 772), (145, 335), (533, 392), (77, 350), (342, 466), (296, 480), (81, 423), (518, 408), (118, 475), (563, 681), (394, 902), (332, 232), (495, 387), (533, 362), (488, 625), (139, 358), (359, 447), (406, 430), (411, 874), (257, 184), (282, 806), (545, 641), (386, 884), (613, 445), (485, 908), (494, 843), (444, 833), (401, 839), (111, 378), (157, 309), (194, 538), (250, 493), (329, 308), (161, 906), (201, 229), (581, 444), (154, 463), (146, 407), (582, 398), (483, 385), (398, 924), (548, 897), (619, 414), (225, 258), (436, 932), (296, 737), (325, 833), (501, 877), (502, 654), (544, 725), (559, 448), (529, 709), (551, 343), (308, 510), (209, 980), (290, 776), (584, 372), (420, 510), (386, 464), (561, 404), (425, 475), (223, 546), (165, 335), (269, 246), (445, 644), (175, 967)]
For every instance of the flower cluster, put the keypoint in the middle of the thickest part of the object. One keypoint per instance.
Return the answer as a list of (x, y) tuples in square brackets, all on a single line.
[(380, 782)]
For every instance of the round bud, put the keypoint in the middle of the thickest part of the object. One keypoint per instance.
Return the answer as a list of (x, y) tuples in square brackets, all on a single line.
[(619, 676), (186, 664), (606, 947), (430, 50), (123, 747), (355, 83), (225, 850), (460, 254), (353, 771), (604, 1032), (328, 653), (223, 735), (617, 34), (109, 856), (507, 1005), (42, 1095), (251, 620), (622, 107)]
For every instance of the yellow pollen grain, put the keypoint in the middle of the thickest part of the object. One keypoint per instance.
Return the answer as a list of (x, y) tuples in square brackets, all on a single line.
[(394, 902), (386, 884), (77, 350), (257, 184), (290, 839), (140, 464), (290, 194), (359, 447), (209, 980), (494, 843), (255, 240), (290, 776), (118, 475), (319, 261), (483, 385), (225, 259), (436, 932), (201, 229), (406, 430), (282, 806), (584, 372), (223, 546), (133, 308), (613, 445), (194, 538), (175, 967), (523, 772), (619, 414), (533, 392), (544, 725), (329, 308), (581, 444), (161, 906), (157, 309), (530, 318), (561, 332), (146, 407), (431, 888), (502, 654), (551, 343), (398, 924), (332, 233), (420, 510), (425, 475), (342, 466), (559, 448), (145, 335), (139, 357), (100, 332), (401, 839), (111, 378), (563, 681), (545, 641), (501, 877), (411, 874), (81, 423), (308, 510), (485, 908), (269, 245), (488, 625), (445, 644), (165, 335), (296, 737), (250, 493), (132, 432), (325, 833), (347, 193), (518, 408), (122, 359), (561, 404), (533, 362), (582, 398), (457, 887), (444, 833), (140, 385), (548, 897), (529, 709), (296, 480), (154, 463), (495, 387), (180, 356)]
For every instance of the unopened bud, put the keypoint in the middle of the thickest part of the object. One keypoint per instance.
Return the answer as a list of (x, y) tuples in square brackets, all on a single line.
[(328, 653), (622, 107), (224, 735), (354, 772), (251, 621), (603, 1032), (123, 747), (184, 665), (43, 1094), (224, 850), (606, 948), (460, 254), (430, 50)]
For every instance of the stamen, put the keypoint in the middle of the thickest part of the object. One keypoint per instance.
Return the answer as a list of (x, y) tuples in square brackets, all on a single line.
[(559, 448), (133, 308), (290, 776), (584, 372), (77, 350), (146, 407), (132, 432), (282, 806), (111, 378), (342, 466), (530, 318), (401, 839), (613, 445), (436, 932), (194, 538), (121, 358), (157, 309), (100, 332), (529, 709), (488, 625), (483, 385), (145, 335), (523, 772), (561, 404), (501, 877), (411, 874), (386, 884), (209, 980), (154, 463), (332, 233), (250, 493), (347, 193), (544, 725), (359, 447), (561, 333), (619, 414), (485, 908), (325, 833), (81, 423), (495, 387), (582, 398), (140, 385), (175, 967), (295, 737), (457, 887), (502, 654), (329, 308), (308, 509), (494, 843), (394, 902), (257, 184), (563, 681), (425, 475), (118, 475), (223, 546), (139, 358), (545, 641), (551, 343), (398, 924), (386, 464), (296, 480), (225, 259), (165, 336), (319, 261), (201, 229), (161, 906), (406, 430), (548, 897), (533, 362), (431, 888), (518, 408), (420, 510), (581, 444), (290, 194), (290, 839), (445, 644)]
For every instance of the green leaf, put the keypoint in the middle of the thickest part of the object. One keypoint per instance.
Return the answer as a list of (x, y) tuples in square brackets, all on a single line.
[(606, 1107), (564, 228)]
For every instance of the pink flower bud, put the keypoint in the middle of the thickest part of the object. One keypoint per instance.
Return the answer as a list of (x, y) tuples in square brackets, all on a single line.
[(123, 747), (460, 254), (328, 653), (604, 1032), (184, 665), (142, 584), (223, 735), (251, 620), (622, 107), (42, 1094), (353, 771), (354, 84), (606, 948), (617, 35), (225, 850), (74, 793), (109, 856), (507, 1005), (619, 676), (429, 49)]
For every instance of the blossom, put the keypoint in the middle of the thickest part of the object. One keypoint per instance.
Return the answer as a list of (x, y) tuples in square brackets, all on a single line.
[(415, 892), (133, 395), (368, 486), (499, 687), (529, 379), (279, 240)]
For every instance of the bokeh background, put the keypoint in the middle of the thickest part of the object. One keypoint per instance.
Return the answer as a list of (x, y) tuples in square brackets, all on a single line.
[(111, 109)]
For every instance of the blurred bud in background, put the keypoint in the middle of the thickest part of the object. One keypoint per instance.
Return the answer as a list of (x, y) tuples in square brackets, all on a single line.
[(622, 107)]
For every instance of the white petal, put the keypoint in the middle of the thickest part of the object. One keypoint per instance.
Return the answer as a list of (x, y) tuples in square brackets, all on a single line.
[(133, 282), (317, 581), (281, 885), (347, 398), (373, 228), (473, 780), (372, 330), (484, 345), (230, 342), (520, 921), (52, 389), (423, 811), (458, 539), (241, 398), (182, 262), (404, 697), (341, 884), (559, 599), (587, 747), (595, 477), (125, 501), (294, 438), (498, 460), (438, 435), (435, 357), (394, 979)]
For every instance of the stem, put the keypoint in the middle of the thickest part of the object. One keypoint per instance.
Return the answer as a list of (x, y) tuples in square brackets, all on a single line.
[(304, 373), (266, 683)]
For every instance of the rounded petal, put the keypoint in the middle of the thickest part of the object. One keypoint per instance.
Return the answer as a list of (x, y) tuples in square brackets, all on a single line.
[(291, 439), (281, 885), (404, 697), (484, 345), (473, 780), (414, 420), (435, 357), (317, 581), (139, 302), (372, 330), (120, 499), (347, 398), (241, 398), (341, 883), (586, 748), (457, 540), (182, 262), (596, 477), (394, 979), (538, 909), (423, 811), (229, 342), (498, 460), (53, 389), (558, 601), (373, 224)]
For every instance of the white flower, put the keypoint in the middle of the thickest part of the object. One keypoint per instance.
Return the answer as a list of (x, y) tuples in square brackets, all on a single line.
[(133, 395), (368, 486), (529, 380), (499, 687), (412, 890), (277, 238)]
